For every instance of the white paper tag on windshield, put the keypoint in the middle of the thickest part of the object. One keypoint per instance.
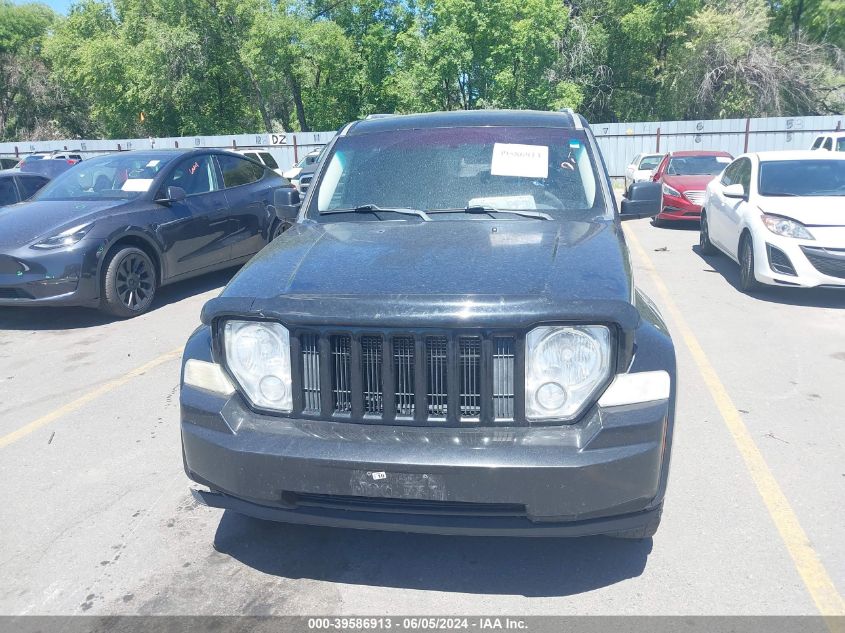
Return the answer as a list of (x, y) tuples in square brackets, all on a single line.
[(723, 159), (527, 161), (137, 184)]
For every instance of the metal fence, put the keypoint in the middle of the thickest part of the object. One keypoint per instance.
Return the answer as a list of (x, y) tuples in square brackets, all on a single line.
[(287, 149), (619, 142)]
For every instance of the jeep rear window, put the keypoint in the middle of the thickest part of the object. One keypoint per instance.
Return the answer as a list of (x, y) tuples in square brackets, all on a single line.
[(544, 169)]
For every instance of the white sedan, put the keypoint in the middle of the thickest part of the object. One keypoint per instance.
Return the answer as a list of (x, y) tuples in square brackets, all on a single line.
[(781, 216), (641, 168)]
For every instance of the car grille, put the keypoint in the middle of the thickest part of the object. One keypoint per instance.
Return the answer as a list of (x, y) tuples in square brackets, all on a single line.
[(696, 197), (407, 378), (304, 181), (828, 261)]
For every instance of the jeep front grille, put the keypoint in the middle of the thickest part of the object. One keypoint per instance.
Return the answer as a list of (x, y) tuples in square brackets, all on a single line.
[(422, 378)]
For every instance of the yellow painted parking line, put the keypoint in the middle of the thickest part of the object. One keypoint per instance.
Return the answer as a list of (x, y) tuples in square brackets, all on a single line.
[(807, 561), (92, 395)]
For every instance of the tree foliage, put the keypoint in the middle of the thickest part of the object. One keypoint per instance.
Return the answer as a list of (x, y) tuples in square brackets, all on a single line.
[(128, 68)]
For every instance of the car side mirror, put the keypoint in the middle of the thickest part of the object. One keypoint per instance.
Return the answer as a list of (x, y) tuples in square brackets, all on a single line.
[(287, 203), (734, 191), (174, 194), (643, 200)]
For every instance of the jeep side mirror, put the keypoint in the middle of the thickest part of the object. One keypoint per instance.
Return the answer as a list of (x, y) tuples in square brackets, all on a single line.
[(643, 200), (174, 194), (734, 191), (287, 203)]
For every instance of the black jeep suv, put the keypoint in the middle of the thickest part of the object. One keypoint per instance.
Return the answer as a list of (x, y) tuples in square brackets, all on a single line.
[(447, 340)]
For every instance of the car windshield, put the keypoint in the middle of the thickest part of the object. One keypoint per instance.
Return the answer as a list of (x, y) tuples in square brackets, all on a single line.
[(697, 165), (124, 176), (650, 162), (452, 169), (818, 177)]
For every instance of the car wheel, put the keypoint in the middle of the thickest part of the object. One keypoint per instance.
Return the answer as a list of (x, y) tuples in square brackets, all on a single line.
[(704, 243), (278, 228), (129, 283), (646, 531), (747, 280)]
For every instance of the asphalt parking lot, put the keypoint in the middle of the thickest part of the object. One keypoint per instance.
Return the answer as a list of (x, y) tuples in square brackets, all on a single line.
[(96, 517)]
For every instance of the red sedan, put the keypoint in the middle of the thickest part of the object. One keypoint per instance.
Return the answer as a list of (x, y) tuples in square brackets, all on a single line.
[(684, 176)]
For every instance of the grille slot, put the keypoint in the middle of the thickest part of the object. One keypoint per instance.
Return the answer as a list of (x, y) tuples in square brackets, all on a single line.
[(503, 378), (469, 352), (403, 371), (371, 359), (436, 362), (12, 293), (310, 373), (341, 374)]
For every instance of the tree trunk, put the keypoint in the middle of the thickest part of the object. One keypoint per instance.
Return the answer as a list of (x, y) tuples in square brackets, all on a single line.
[(796, 19), (296, 93), (259, 101)]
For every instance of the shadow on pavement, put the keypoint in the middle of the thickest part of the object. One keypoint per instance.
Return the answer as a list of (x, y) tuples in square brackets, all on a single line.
[(683, 225), (534, 567), (810, 297), (58, 318)]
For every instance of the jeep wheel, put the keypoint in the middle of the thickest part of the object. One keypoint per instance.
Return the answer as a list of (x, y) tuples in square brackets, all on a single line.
[(129, 283)]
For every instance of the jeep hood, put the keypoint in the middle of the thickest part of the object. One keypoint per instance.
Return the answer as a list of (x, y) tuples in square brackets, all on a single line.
[(443, 272)]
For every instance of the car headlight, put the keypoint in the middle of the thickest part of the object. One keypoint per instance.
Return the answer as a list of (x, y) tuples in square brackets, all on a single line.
[(564, 366), (65, 238), (786, 227), (670, 191), (258, 355)]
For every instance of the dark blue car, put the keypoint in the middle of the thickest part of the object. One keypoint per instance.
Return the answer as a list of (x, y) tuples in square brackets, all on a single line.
[(109, 231)]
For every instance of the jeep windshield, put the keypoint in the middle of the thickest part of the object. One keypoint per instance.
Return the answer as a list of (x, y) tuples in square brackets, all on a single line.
[(472, 173)]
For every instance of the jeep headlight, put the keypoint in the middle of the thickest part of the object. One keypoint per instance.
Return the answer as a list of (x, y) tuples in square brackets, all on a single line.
[(258, 355), (564, 366)]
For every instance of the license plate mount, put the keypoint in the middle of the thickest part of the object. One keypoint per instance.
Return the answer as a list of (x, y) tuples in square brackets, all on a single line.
[(391, 485)]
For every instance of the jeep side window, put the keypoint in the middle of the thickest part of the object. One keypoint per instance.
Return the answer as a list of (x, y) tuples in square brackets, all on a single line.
[(828, 144), (818, 143)]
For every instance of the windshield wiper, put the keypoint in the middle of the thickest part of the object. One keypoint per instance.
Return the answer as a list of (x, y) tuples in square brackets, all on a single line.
[(372, 208), (479, 208)]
